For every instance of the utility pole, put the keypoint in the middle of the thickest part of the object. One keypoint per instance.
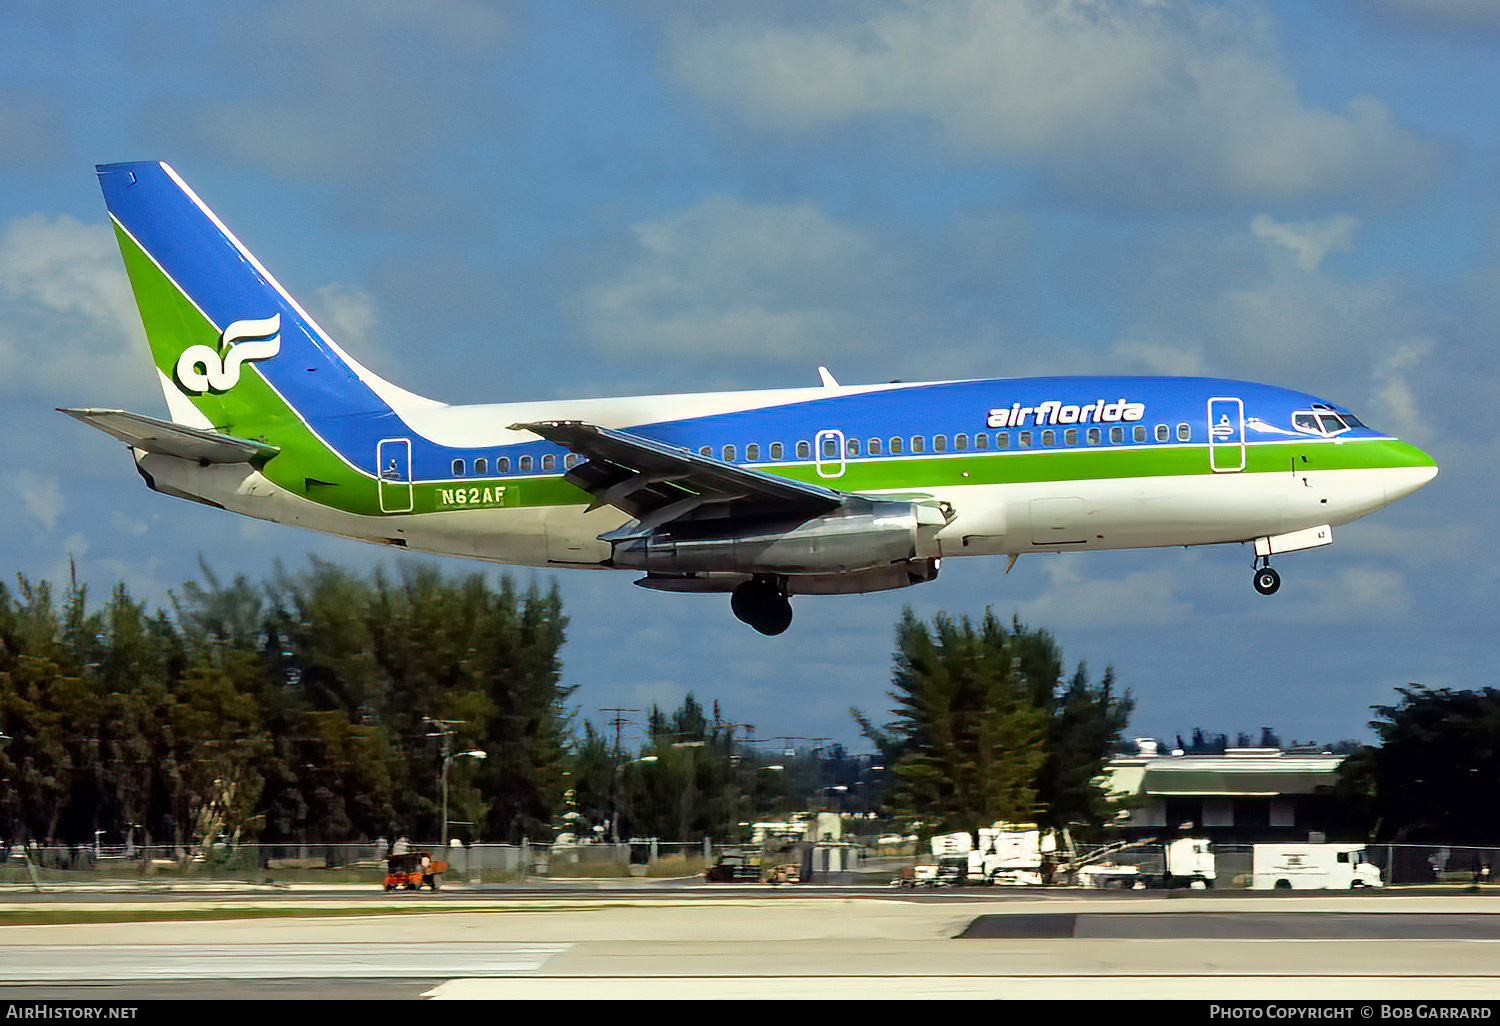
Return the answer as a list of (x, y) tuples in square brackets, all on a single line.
[(444, 729), (618, 723)]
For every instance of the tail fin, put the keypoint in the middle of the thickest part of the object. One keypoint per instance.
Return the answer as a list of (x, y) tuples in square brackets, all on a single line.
[(212, 312)]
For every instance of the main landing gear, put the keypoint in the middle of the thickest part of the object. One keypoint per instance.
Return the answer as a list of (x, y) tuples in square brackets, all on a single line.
[(1266, 579), (762, 603)]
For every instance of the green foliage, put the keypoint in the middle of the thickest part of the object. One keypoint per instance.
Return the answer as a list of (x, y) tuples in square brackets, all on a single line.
[(1436, 771), (296, 710), (985, 729)]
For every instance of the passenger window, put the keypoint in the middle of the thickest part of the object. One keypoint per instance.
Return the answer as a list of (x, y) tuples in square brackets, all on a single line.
[(1116, 435), (1049, 438), (1139, 432), (549, 462), (830, 448), (918, 443), (1070, 436), (570, 460), (803, 450), (895, 446), (706, 450), (481, 465), (502, 464), (775, 450), (1184, 432), (1162, 433), (852, 447), (1023, 439), (960, 442), (873, 448), (983, 442), (525, 463), (752, 452), (1095, 436), (939, 443), (728, 451), (458, 468)]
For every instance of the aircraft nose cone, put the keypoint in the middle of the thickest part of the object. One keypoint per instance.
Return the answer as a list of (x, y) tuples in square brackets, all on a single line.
[(1409, 473)]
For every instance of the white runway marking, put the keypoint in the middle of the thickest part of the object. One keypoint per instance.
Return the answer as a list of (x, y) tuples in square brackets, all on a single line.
[(1357, 991), (110, 962)]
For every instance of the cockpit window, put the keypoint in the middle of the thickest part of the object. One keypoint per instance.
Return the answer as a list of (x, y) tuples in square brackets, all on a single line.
[(1323, 422)]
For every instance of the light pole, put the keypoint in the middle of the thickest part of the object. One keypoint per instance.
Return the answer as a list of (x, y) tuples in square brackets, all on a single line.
[(475, 754), (614, 819)]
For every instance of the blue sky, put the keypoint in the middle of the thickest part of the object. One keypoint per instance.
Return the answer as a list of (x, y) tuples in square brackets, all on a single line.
[(502, 201)]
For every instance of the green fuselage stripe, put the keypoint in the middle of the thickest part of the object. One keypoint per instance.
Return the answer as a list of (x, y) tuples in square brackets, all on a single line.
[(307, 466)]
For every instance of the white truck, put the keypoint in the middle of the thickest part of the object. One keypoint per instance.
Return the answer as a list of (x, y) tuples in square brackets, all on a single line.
[(950, 864), (1008, 854), (1311, 867), (1184, 862), (1011, 854)]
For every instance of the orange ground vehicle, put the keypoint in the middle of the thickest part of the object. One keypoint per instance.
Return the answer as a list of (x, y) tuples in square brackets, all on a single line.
[(411, 870)]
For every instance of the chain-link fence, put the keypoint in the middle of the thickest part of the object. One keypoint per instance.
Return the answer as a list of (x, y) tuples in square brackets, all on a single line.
[(862, 860)]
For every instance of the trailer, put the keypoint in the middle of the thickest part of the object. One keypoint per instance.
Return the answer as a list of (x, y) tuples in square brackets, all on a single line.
[(1312, 867)]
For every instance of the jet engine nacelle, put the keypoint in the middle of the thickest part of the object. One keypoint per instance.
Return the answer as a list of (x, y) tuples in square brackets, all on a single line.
[(876, 535)]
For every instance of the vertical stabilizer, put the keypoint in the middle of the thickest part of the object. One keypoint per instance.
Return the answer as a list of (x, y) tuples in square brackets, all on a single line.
[(233, 350)]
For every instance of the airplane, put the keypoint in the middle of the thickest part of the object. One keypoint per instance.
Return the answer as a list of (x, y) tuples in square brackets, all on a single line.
[(763, 495)]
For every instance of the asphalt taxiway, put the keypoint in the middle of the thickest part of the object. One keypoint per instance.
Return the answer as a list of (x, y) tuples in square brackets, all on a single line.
[(787, 943)]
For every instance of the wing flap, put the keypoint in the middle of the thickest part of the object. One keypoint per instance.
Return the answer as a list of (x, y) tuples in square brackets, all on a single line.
[(656, 482), (168, 439)]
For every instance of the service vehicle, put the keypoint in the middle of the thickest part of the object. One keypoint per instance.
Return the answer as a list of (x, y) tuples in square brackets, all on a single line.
[(1182, 862), (1312, 867), (413, 869)]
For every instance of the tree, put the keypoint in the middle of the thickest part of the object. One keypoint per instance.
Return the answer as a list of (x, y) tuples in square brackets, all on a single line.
[(1436, 772), (1085, 724), (969, 736), (986, 729)]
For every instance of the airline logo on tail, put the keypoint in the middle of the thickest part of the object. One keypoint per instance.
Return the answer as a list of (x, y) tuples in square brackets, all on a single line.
[(201, 369)]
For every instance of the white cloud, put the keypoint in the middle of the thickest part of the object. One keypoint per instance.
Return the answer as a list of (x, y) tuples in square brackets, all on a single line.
[(40, 494), (758, 282), (1394, 396), (1310, 240), (1142, 598), (343, 84), (1157, 103), (68, 323)]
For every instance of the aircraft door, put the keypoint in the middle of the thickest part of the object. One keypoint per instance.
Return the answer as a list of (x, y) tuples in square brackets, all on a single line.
[(393, 457), (828, 451), (1226, 435)]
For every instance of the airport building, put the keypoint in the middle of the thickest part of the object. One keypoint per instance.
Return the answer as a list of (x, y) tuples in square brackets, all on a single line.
[(1243, 796)]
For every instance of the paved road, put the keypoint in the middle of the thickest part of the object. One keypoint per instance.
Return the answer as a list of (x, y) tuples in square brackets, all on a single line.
[(781, 945)]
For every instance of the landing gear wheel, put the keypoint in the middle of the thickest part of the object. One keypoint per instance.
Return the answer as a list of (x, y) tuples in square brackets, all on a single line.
[(762, 604), (1267, 580)]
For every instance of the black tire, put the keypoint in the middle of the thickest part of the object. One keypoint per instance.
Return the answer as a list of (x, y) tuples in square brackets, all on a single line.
[(1283, 885), (1267, 581), (761, 604)]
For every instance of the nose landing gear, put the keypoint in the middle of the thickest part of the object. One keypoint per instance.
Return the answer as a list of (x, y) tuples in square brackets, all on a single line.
[(1267, 580), (762, 603)]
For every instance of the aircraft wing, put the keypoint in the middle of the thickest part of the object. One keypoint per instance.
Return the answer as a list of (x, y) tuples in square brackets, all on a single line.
[(168, 439), (657, 483)]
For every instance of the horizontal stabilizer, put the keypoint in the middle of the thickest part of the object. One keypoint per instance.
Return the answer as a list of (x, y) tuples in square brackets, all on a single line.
[(168, 439)]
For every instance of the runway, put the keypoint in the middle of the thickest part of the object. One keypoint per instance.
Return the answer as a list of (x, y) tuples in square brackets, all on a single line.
[(699, 944)]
